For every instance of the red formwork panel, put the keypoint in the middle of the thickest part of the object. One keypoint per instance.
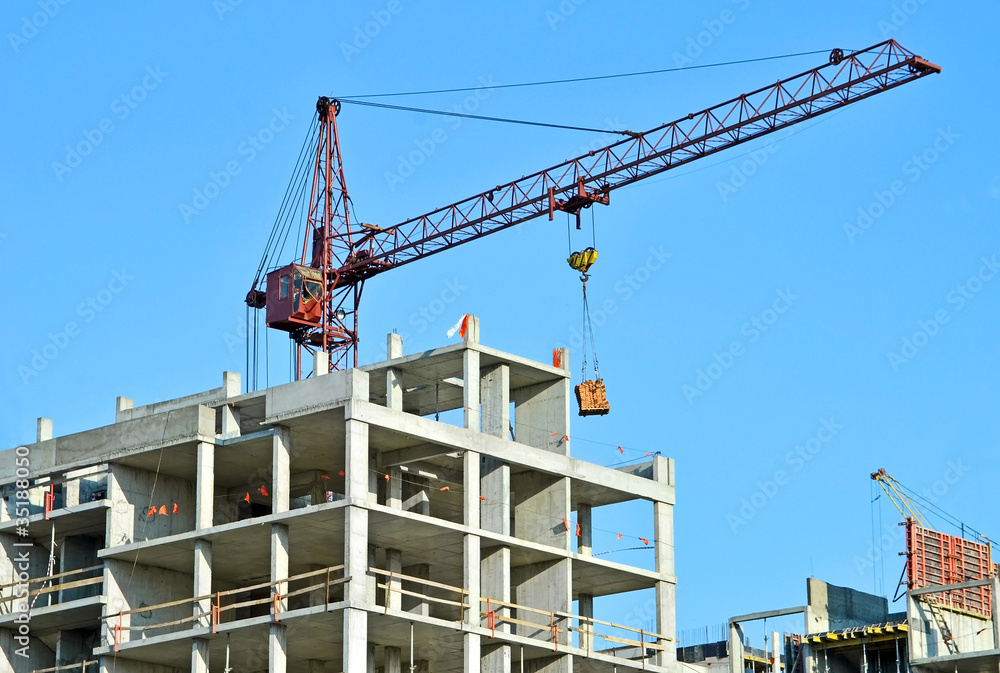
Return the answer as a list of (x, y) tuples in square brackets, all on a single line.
[(934, 559)]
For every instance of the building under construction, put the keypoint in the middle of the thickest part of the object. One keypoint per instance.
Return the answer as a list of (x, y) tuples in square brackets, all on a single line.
[(339, 523), (332, 524)]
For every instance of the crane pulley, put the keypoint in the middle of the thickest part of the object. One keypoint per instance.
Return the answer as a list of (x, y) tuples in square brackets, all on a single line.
[(343, 253)]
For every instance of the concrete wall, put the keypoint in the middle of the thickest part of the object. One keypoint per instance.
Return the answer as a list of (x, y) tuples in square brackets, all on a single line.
[(970, 633), (38, 559), (832, 608), (131, 587), (39, 654), (136, 488)]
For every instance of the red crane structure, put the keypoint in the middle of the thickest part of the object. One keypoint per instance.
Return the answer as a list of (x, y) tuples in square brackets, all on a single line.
[(316, 299)]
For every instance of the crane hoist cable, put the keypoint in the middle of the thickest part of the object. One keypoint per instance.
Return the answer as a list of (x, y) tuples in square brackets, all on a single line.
[(590, 394)]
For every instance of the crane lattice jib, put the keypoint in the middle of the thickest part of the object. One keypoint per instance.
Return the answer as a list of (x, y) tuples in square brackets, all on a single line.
[(903, 503), (846, 79)]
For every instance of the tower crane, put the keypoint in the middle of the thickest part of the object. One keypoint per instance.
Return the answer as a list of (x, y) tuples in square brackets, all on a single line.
[(316, 299)]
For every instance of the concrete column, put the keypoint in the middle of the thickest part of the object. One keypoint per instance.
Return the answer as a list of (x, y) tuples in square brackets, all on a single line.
[(281, 450), (495, 659), (393, 658), (472, 553), (736, 661), (317, 666), (393, 376), (415, 495), (122, 404), (776, 654), (545, 586), (43, 429), (203, 581), (470, 368), (69, 647), (394, 564), (199, 655), (415, 604), (279, 562), (321, 363), (71, 491), (585, 541), (494, 392), (230, 420), (394, 488), (542, 509), (231, 383), (666, 590), (356, 457), (355, 641), (472, 654), (586, 603), (357, 590), (541, 415), (277, 649), (204, 486)]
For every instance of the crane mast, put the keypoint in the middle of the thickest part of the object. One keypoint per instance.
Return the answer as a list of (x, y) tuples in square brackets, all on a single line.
[(317, 300)]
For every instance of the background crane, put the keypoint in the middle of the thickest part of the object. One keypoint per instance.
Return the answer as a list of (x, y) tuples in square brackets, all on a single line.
[(317, 299)]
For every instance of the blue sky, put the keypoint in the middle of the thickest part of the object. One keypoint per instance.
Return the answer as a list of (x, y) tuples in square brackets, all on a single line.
[(170, 98)]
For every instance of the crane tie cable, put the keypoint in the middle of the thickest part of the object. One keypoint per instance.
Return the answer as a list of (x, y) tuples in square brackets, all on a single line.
[(588, 79), (481, 117)]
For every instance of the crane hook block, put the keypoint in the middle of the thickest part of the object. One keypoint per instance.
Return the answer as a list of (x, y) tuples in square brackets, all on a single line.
[(582, 261)]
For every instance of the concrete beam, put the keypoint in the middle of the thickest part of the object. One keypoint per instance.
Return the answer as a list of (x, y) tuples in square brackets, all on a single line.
[(458, 439), (413, 455), (943, 588), (767, 614)]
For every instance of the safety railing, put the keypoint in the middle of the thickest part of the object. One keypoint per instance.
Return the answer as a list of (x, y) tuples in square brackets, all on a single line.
[(555, 627), (82, 667), (221, 607), (48, 588)]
